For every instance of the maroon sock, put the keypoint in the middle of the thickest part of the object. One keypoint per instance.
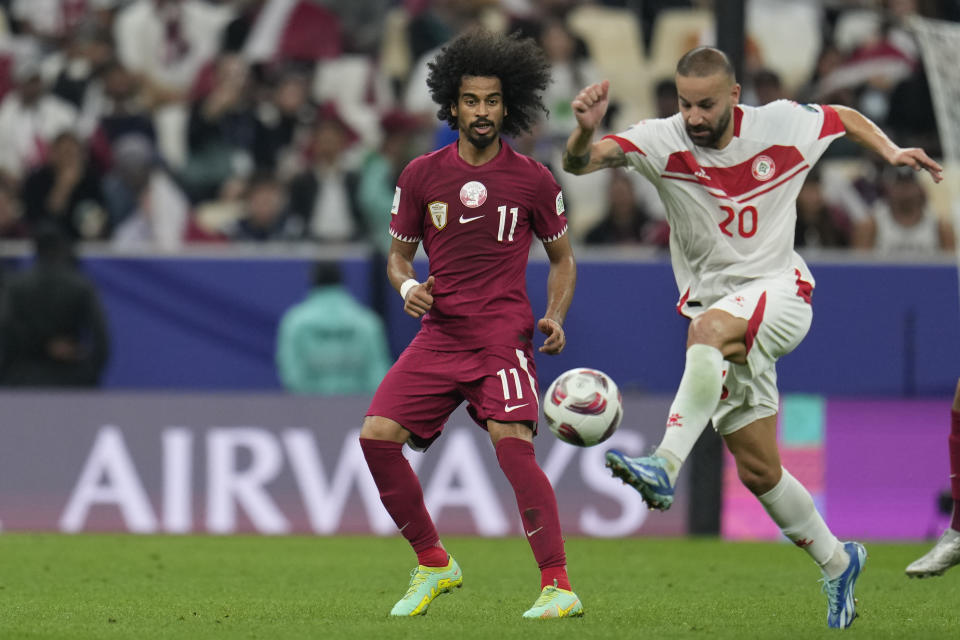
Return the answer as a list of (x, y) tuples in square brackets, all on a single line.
[(538, 509), (955, 468), (402, 495)]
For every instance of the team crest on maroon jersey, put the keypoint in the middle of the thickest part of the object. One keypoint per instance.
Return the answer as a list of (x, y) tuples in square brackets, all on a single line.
[(473, 194), (763, 168), (438, 214)]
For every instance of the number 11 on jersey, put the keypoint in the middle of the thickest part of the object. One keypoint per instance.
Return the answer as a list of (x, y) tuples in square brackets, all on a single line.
[(502, 209)]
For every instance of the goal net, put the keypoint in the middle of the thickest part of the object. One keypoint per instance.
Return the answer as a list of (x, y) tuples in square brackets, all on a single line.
[(940, 48)]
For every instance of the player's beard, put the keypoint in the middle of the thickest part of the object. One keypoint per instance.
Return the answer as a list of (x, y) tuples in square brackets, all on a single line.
[(715, 132), (482, 141)]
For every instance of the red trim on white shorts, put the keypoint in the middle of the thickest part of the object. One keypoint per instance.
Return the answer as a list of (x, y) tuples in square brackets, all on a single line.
[(804, 288), (683, 301), (753, 324)]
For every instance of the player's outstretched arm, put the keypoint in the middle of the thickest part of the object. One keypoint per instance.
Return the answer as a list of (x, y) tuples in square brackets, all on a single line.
[(417, 296), (582, 155), (864, 132), (561, 282)]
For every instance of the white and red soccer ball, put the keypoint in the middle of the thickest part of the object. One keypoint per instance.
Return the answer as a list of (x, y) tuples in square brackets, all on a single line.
[(583, 407)]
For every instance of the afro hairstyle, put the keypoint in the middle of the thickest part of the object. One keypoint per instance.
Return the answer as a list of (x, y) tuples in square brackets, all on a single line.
[(518, 62)]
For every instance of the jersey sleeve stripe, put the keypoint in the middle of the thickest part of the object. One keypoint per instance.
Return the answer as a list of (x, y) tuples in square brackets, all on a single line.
[(556, 236), (403, 238), (832, 125), (626, 145)]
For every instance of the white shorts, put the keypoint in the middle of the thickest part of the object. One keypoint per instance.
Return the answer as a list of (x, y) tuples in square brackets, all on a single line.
[(779, 313)]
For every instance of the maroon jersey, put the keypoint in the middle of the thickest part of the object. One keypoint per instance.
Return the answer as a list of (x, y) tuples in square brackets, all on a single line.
[(476, 225)]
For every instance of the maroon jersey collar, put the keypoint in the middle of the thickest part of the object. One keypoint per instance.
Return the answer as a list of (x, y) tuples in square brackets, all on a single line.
[(504, 151)]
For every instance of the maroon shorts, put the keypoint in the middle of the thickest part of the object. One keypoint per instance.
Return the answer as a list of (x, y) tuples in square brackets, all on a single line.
[(423, 388)]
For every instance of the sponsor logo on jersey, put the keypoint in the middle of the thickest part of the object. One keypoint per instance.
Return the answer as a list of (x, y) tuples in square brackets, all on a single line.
[(763, 168), (395, 207), (702, 174), (473, 194), (438, 214), (559, 203)]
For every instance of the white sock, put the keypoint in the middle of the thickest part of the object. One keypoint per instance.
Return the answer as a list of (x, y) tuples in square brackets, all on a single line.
[(693, 406), (791, 507)]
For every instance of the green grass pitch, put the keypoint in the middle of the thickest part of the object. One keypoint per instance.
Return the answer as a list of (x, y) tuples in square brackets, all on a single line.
[(100, 586)]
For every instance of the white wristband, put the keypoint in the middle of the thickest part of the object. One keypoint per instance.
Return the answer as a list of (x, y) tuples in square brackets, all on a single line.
[(406, 286)]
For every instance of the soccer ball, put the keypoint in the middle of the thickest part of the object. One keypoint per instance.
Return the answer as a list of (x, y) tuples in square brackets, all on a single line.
[(583, 407)]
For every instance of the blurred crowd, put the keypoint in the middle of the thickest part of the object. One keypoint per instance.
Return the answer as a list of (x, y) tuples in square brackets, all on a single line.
[(154, 124)]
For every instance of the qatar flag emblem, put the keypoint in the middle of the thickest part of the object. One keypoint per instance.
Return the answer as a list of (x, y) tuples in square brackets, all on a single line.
[(473, 194)]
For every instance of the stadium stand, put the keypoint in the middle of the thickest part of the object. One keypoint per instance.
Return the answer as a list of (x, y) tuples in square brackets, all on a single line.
[(128, 77)]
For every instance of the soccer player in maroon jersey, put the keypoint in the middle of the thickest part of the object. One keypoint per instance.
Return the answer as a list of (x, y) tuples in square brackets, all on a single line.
[(475, 205), (946, 553)]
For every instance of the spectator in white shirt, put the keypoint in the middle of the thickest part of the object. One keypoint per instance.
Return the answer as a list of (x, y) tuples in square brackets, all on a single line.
[(30, 118)]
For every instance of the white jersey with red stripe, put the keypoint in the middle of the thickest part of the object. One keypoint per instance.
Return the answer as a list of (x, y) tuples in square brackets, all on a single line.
[(732, 211)]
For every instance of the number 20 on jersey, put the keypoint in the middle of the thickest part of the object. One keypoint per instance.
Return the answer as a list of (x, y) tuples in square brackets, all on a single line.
[(746, 222)]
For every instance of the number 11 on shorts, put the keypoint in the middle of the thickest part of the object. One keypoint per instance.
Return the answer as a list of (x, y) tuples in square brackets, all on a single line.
[(505, 382)]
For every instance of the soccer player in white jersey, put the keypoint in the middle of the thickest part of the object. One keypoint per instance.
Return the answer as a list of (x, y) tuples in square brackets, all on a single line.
[(729, 176)]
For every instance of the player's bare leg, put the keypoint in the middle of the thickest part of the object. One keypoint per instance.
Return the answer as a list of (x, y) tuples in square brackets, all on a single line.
[(437, 572), (379, 428), (712, 337), (537, 503), (946, 553), (791, 507)]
